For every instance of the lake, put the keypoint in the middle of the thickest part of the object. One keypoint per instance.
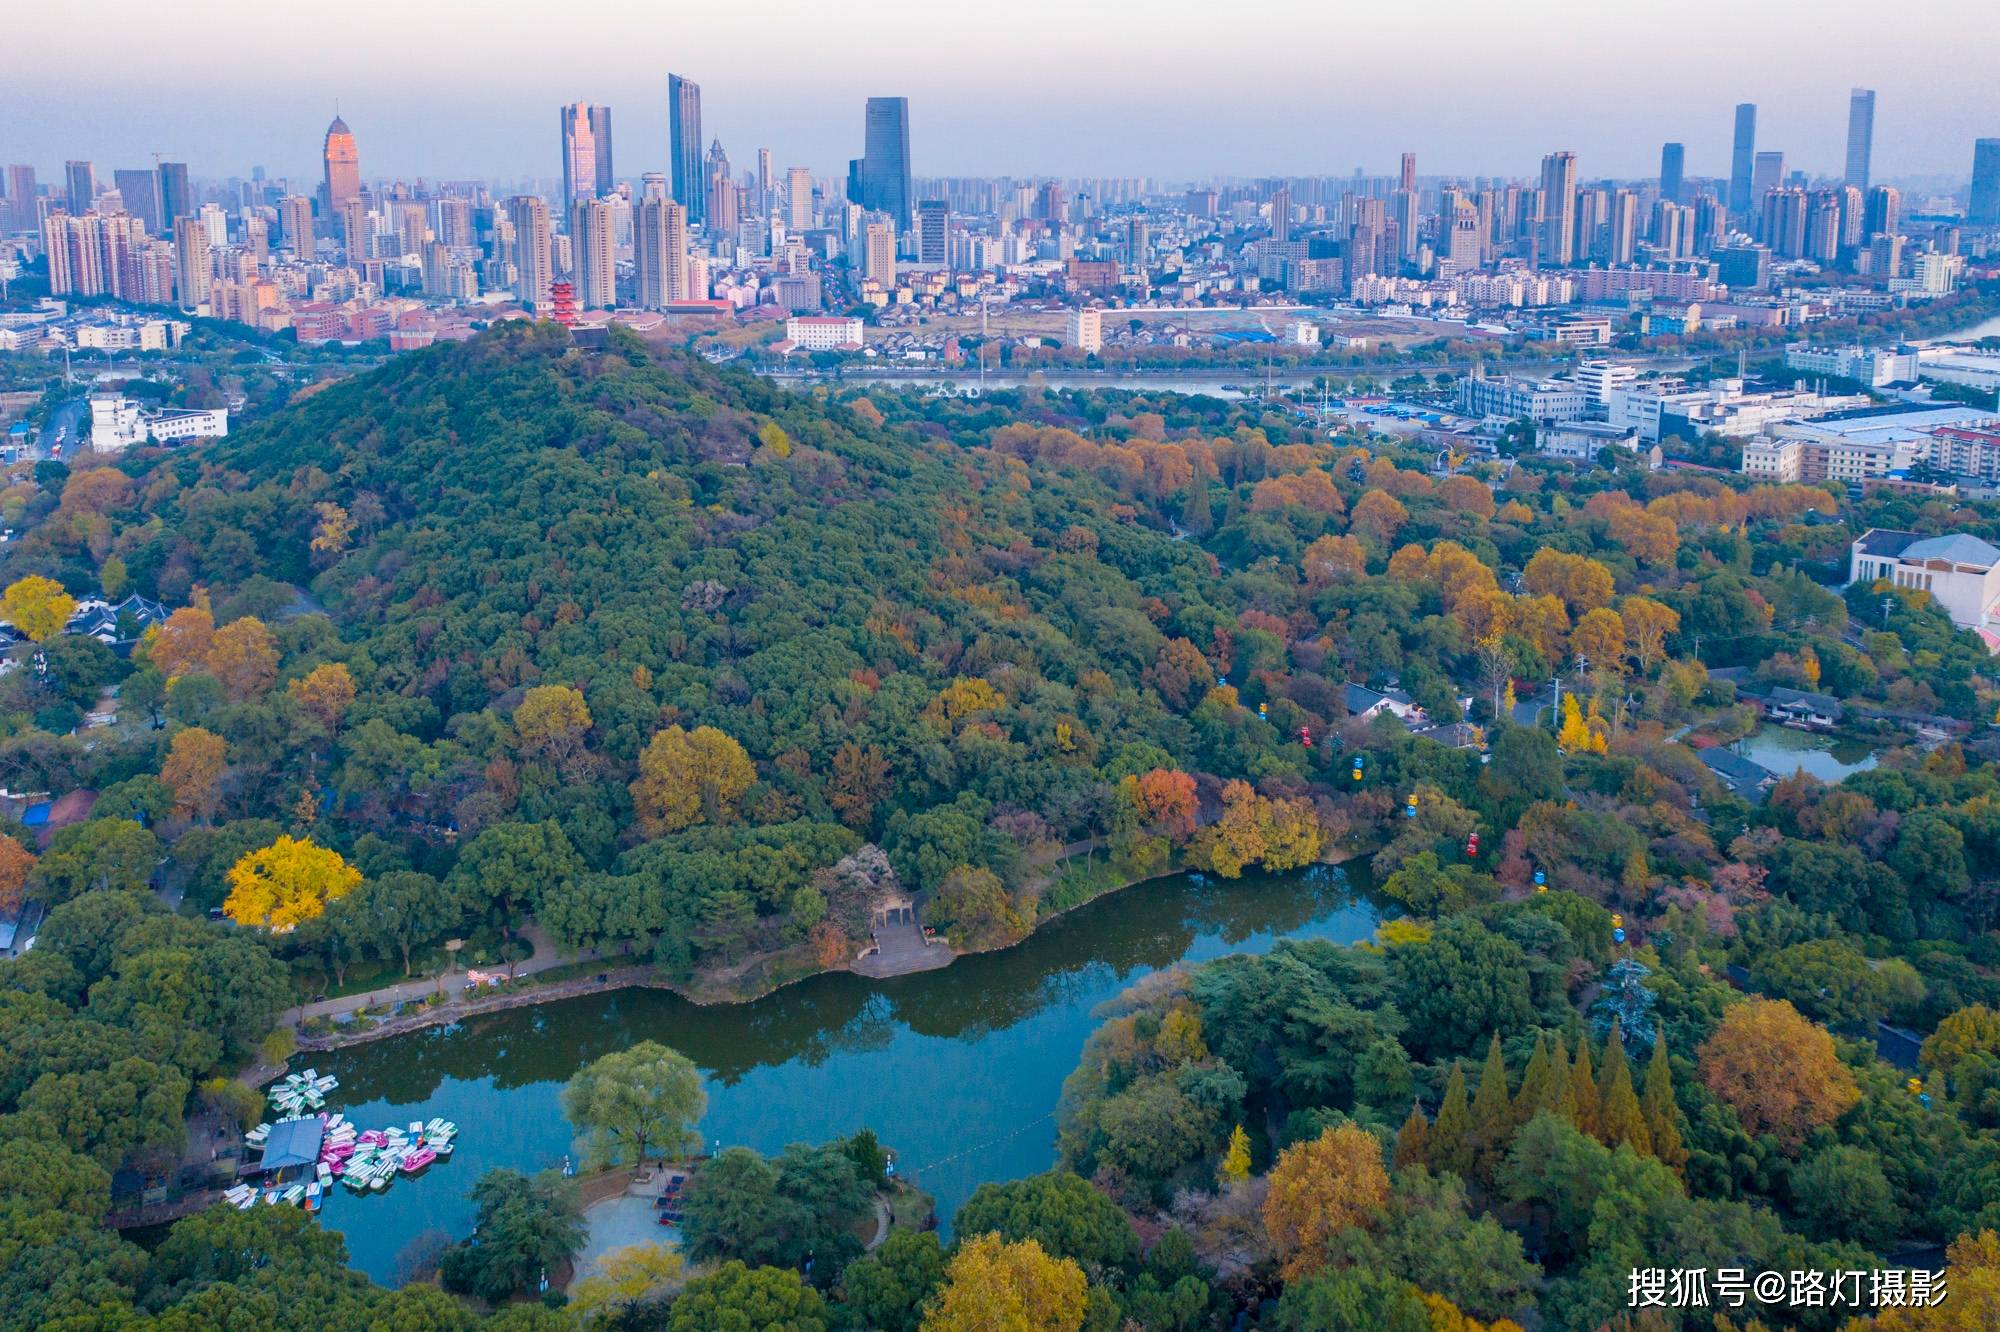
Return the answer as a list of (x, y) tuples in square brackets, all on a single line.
[(958, 1071), (1785, 751)]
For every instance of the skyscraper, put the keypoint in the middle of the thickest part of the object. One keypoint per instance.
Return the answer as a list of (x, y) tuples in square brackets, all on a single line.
[(885, 159), (1984, 207), (191, 261), (799, 212), (579, 152), (720, 191), (1673, 158), (659, 251), (140, 190), (295, 224), (1767, 175), (1884, 212), (933, 233), (1743, 161), (19, 215), (595, 240), (176, 197), (600, 134), (342, 163), (80, 178), (1559, 209), (1860, 134), (1410, 172), (685, 175), (534, 270), (878, 254), (764, 201)]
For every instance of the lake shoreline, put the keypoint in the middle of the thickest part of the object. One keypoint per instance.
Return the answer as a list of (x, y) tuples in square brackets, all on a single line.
[(645, 977)]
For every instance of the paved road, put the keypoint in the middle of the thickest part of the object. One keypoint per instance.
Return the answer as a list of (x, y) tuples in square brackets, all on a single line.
[(547, 958)]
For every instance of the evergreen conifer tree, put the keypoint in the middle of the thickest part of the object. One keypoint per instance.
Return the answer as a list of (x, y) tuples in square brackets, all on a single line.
[(1451, 1133)]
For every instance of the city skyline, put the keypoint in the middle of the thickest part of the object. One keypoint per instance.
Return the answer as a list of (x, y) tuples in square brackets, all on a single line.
[(473, 102)]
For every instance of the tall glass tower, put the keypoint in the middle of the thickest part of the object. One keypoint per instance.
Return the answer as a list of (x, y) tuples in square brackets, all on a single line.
[(885, 160), (1744, 160), (689, 183), (1860, 134)]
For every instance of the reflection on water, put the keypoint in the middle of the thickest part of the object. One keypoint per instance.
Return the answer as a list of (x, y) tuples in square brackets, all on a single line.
[(958, 1070), (1786, 751)]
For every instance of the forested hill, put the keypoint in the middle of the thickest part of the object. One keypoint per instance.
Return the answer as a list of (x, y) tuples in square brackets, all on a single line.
[(660, 633)]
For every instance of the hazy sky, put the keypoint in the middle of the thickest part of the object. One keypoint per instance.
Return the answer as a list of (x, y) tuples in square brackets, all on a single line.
[(445, 88)]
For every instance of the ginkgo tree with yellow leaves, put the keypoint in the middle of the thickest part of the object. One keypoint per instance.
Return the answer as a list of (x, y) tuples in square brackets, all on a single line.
[(286, 884), (37, 606)]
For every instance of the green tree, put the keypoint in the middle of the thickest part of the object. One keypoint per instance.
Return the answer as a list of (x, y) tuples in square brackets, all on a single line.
[(631, 1100), (1451, 1142), (738, 1298), (1353, 1301), (96, 856), (1064, 1214), (526, 1226), (1840, 1193), (886, 1290)]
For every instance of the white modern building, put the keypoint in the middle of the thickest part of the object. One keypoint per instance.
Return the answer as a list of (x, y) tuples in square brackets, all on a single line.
[(1871, 366), (118, 423), (823, 332), (1961, 571), (1086, 329), (1599, 379)]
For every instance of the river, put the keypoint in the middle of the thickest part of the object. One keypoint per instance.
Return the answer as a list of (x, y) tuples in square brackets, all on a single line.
[(958, 1071)]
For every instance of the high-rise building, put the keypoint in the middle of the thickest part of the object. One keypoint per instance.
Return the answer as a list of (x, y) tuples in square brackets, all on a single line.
[(579, 153), (75, 249), (1281, 214), (1883, 214), (1086, 329), (534, 261), (878, 254), (1860, 134), (933, 233), (1410, 172), (1784, 222), (353, 226), (595, 238), (885, 159), (1743, 159), (1624, 224), (1983, 209), (176, 195), (140, 190), (295, 224), (765, 203), (1767, 175), (689, 182), (1673, 160), (799, 207), (20, 213), (719, 204), (192, 265), (341, 162), (80, 181), (600, 135), (1558, 240), (659, 251)]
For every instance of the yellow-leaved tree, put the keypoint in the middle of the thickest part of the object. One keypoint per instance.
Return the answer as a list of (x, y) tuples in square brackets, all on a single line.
[(690, 777), (37, 606), (286, 884), (1319, 1188), (325, 693), (991, 1284), (1236, 1161)]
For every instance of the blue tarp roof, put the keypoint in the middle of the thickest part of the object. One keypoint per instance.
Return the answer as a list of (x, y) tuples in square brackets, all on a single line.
[(293, 1142)]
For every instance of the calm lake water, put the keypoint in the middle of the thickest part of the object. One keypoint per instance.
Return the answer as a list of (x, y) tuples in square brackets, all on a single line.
[(958, 1071), (1785, 751)]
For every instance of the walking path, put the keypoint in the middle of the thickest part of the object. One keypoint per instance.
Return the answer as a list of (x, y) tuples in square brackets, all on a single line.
[(547, 957)]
